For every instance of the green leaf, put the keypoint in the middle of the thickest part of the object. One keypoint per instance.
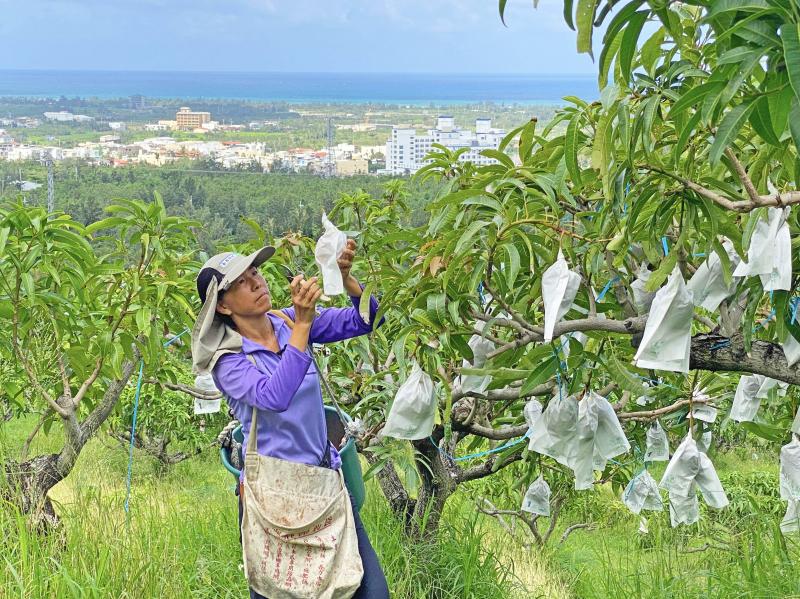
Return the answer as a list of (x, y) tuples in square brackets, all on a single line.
[(3, 239), (467, 236), (28, 286), (607, 54), (107, 223), (568, 14), (650, 107), (502, 11), (722, 6), (501, 157), (794, 124), (790, 33), (683, 139), (6, 309), (630, 40), (623, 377), (620, 20), (509, 138), (539, 375), (724, 260), (363, 305), (779, 105), (745, 67), (526, 140), (436, 308), (728, 130), (664, 269), (571, 149), (735, 55), (693, 96), (762, 123), (585, 20), (651, 50), (765, 431), (485, 201), (514, 264)]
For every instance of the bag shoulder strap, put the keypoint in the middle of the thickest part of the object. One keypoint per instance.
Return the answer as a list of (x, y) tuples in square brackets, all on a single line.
[(290, 323), (284, 316)]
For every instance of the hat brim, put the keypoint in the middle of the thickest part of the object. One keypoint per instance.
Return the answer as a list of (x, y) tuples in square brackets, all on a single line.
[(237, 269)]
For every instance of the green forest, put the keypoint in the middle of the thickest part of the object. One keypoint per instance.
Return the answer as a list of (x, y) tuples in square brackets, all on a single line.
[(605, 319)]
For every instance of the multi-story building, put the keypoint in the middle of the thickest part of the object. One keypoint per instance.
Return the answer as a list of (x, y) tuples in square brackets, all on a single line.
[(406, 149), (189, 120), (352, 166), (67, 117)]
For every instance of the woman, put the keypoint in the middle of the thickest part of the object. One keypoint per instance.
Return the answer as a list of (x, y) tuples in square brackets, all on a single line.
[(259, 360)]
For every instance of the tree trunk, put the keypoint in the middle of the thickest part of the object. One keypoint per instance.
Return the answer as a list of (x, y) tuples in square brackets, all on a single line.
[(393, 490), (27, 486), (29, 482), (437, 483), (154, 446)]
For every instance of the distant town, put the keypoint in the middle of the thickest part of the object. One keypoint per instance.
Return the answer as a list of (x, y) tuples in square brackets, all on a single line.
[(403, 153)]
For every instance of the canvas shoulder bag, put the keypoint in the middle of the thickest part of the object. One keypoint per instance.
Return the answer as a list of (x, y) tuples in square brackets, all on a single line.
[(298, 532)]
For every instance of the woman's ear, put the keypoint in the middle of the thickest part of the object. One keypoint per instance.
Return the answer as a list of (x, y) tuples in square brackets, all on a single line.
[(223, 309)]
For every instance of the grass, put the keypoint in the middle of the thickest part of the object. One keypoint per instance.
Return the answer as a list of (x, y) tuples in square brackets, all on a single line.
[(180, 540)]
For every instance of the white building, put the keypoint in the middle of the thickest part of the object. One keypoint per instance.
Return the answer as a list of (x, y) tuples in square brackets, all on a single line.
[(66, 117), (406, 149)]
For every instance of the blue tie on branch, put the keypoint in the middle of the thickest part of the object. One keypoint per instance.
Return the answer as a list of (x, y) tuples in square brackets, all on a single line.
[(133, 423)]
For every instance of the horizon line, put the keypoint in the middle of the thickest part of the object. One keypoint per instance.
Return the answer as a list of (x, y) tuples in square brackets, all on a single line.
[(252, 72)]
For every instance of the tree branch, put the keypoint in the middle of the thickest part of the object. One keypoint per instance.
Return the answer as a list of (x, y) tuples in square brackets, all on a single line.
[(110, 397), (770, 200), (717, 353), (507, 307), (501, 322), (747, 182), (573, 528), (488, 467), (188, 389), (32, 377), (653, 414), (507, 394), (88, 382), (555, 510), (23, 454), (496, 434), (629, 326)]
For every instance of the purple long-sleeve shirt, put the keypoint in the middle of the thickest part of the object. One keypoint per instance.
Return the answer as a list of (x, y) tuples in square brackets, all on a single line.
[(285, 387)]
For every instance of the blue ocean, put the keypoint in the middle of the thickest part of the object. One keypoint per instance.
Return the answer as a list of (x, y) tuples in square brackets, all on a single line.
[(389, 88)]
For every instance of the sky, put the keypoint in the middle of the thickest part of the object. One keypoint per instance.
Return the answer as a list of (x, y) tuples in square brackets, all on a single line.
[(410, 36)]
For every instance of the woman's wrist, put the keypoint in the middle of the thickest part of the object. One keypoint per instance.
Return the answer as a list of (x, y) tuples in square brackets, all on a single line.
[(300, 335), (352, 286), (304, 325)]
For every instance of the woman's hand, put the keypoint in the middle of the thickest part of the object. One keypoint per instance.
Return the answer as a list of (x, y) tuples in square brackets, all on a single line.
[(305, 293), (345, 261)]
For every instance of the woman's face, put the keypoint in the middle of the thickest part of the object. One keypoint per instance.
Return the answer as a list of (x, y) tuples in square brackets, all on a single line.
[(247, 296)]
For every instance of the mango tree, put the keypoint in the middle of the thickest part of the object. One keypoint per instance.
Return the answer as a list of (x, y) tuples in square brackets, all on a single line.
[(81, 315), (696, 134)]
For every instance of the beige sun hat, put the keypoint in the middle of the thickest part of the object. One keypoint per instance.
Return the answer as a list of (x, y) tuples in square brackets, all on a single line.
[(211, 337)]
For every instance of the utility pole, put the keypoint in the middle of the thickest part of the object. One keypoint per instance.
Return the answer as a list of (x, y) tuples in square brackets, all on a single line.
[(51, 192), (330, 167)]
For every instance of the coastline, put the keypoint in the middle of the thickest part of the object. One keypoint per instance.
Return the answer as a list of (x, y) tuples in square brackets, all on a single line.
[(400, 89)]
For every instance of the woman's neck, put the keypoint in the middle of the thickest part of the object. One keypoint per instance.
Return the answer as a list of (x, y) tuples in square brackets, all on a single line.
[(258, 329)]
